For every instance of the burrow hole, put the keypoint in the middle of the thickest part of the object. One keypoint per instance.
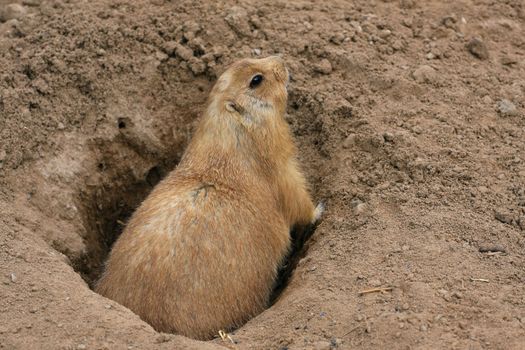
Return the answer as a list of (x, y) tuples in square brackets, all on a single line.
[(111, 204)]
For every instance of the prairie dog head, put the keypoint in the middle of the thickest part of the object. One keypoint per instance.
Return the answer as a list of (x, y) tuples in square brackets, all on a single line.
[(251, 91)]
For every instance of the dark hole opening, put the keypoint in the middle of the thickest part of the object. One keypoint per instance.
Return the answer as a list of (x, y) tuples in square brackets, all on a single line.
[(298, 250), (29, 72), (124, 123), (107, 214), (153, 177), (198, 52)]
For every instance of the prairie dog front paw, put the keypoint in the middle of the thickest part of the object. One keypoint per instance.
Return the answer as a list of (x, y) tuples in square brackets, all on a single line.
[(318, 212)]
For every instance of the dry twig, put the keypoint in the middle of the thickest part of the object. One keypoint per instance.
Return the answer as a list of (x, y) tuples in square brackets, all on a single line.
[(479, 280), (225, 336), (376, 290)]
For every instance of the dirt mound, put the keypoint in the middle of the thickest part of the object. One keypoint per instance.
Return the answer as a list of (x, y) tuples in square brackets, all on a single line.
[(410, 118)]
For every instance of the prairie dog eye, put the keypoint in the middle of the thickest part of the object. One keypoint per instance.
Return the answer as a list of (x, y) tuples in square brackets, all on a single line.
[(256, 81)]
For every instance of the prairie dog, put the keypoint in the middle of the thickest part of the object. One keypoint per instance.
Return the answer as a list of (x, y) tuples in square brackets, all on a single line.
[(202, 251)]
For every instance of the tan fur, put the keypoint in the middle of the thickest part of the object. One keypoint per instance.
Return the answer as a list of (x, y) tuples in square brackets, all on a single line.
[(202, 251)]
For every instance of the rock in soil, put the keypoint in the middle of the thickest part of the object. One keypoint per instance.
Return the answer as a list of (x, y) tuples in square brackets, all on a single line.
[(425, 74), (506, 108), (12, 11), (478, 48)]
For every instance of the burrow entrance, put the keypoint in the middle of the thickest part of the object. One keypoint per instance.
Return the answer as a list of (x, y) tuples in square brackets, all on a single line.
[(109, 205)]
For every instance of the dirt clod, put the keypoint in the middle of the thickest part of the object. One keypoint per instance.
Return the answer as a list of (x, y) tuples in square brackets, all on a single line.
[(504, 216), (237, 18), (324, 67), (12, 11), (425, 74), (478, 48), (506, 108), (321, 345)]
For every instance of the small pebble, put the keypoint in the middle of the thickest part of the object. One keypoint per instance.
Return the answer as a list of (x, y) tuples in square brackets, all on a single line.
[(13, 278), (197, 66), (183, 52), (483, 189), (336, 342), (444, 294), (449, 21), (161, 56), (357, 26), (321, 345), (477, 47), (170, 47), (487, 99), (360, 208), (368, 328), (375, 283), (521, 222), (162, 338), (385, 33), (308, 26), (425, 74), (337, 38), (457, 295), (388, 137), (506, 108), (508, 61), (324, 67), (81, 346), (31, 2), (237, 19), (503, 216), (12, 11)]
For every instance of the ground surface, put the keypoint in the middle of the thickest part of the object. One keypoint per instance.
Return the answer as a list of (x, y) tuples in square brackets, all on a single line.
[(410, 131)]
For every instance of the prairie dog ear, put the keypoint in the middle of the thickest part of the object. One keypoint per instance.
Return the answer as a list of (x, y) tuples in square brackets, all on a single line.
[(231, 107), (234, 107)]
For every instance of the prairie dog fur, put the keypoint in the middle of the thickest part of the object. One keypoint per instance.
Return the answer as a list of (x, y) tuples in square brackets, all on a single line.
[(202, 251)]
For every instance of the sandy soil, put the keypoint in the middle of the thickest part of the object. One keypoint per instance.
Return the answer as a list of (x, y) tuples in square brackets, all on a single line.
[(410, 117)]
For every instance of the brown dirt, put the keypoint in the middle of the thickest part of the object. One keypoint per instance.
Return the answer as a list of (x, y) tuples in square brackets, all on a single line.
[(412, 134)]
